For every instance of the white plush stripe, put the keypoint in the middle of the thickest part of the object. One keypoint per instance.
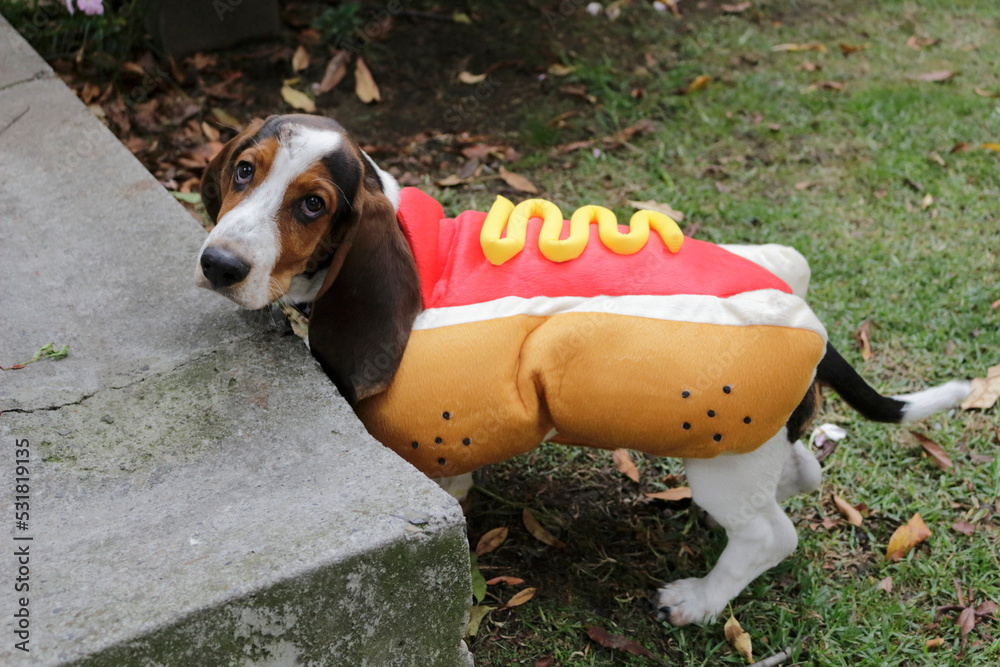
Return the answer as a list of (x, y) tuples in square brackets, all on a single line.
[(924, 403), (783, 261), (763, 307)]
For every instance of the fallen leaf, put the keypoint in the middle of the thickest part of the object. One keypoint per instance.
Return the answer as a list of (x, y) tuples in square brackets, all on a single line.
[(226, 119), (959, 147), (814, 46), (557, 69), (517, 181), (699, 83), (617, 642), (934, 643), (680, 493), (852, 515), (478, 580), (918, 43), (985, 391), (989, 146), (982, 92), (936, 76), (538, 531), (449, 181), (520, 597), (665, 209), (738, 638), (575, 146), (510, 581), (723, 188), (461, 18), (864, 340), (737, 8), (885, 585), (298, 99), (491, 540), (300, 59), (937, 454), (805, 185), (906, 537), (336, 70), (476, 616), (987, 607), (966, 621), (926, 202), (935, 157), (837, 86), (210, 132), (808, 66), (364, 84), (470, 78), (964, 527), (848, 49), (623, 461)]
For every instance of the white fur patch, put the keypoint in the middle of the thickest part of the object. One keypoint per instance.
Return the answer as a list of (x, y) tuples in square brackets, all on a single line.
[(761, 307), (250, 229), (925, 403), (390, 186)]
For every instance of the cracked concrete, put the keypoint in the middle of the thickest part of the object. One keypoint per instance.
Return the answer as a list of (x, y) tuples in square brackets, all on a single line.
[(199, 492)]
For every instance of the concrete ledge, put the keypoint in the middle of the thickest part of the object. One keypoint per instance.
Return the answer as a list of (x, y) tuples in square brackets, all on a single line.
[(199, 492)]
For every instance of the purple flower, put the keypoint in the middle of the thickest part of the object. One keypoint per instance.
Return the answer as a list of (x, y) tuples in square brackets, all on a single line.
[(88, 7)]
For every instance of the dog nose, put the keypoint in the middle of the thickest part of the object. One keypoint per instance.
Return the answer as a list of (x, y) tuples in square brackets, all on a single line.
[(223, 268)]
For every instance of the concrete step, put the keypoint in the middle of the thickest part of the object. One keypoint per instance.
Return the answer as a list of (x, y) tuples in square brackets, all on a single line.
[(199, 492)]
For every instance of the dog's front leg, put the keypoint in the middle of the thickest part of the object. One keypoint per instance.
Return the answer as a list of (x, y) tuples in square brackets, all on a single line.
[(738, 491)]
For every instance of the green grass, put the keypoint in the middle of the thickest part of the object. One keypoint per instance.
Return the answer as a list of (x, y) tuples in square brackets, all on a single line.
[(924, 271)]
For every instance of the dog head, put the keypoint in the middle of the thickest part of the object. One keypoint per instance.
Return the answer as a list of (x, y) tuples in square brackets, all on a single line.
[(285, 194)]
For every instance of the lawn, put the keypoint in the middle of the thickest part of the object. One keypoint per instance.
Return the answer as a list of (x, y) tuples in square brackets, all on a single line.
[(878, 177)]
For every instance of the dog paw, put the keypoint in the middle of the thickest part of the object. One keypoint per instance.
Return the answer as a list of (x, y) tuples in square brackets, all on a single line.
[(685, 601)]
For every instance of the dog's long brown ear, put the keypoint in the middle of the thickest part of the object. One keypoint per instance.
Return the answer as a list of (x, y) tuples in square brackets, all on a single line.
[(212, 190), (361, 322)]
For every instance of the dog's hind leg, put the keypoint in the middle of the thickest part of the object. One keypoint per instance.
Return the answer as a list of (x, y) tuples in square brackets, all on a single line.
[(801, 473), (739, 491)]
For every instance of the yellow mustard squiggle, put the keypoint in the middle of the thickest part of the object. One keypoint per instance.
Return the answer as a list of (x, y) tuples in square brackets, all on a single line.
[(503, 214)]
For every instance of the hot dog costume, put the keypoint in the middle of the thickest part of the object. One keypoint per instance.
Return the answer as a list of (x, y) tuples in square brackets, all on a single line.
[(640, 339)]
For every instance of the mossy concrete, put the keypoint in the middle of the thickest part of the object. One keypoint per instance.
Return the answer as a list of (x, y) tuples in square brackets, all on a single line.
[(200, 494)]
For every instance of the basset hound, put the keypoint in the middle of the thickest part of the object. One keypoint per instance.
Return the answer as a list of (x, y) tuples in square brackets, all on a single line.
[(464, 341)]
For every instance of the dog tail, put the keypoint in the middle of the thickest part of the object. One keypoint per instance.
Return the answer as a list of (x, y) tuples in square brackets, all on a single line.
[(836, 372)]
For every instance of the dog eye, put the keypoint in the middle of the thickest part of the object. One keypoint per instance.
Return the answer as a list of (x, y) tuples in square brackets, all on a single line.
[(312, 206), (244, 172)]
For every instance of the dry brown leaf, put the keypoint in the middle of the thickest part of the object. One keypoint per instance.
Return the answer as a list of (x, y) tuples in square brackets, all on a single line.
[(558, 69), (364, 83), (959, 147), (680, 493), (517, 181), (617, 642), (926, 202), (933, 450), (738, 638), (885, 585), (226, 119), (538, 531), (990, 146), (813, 46), (510, 581), (985, 391), (491, 540), (335, 72), (665, 209), (852, 515), (848, 49), (906, 537), (700, 83), (864, 340), (449, 181), (837, 86), (210, 132), (934, 643), (623, 461), (737, 8), (808, 66), (520, 597), (964, 527), (298, 99), (470, 78), (300, 59), (937, 76), (966, 621), (915, 42), (982, 92)]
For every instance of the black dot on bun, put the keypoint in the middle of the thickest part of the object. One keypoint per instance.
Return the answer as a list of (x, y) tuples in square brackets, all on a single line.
[(466, 441), (442, 460), (747, 420), (685, 393), (717, 437), (686, 426), (446, 415), (438, 440), (728, 388), (711, 413), (414, 444)]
